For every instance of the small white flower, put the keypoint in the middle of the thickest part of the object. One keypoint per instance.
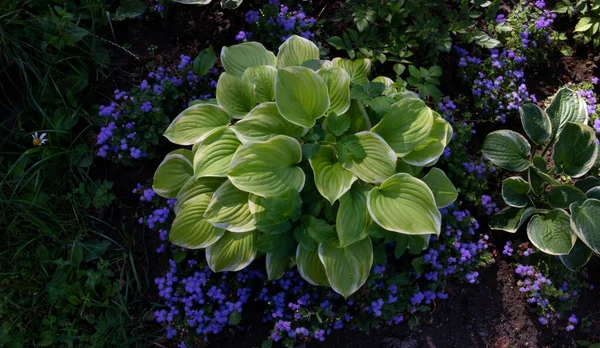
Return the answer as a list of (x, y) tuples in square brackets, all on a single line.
[(39, 140)]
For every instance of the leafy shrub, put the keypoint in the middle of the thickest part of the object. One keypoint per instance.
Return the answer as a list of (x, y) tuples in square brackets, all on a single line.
[(242, 189), (588, 24), (563, 212)]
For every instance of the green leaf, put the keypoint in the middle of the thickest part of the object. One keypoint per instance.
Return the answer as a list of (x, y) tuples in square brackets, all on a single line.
[(338, 88), (331, 179), (337, 42), (379, 162), (235, 95), (275, 210), (204, 61), (229, 209), (235, 318), (587, 183), (443, 190), (263, 123), (304, 239), (510, 219), (196, 123), (347, 268), (406, 125), (507, 149), (562, 196), (129, 9), (338, 124), (358, 69), (584, 24), (301, 95), (429, 151), (536, 123), (576, 150), (310, 266), (514, 191), (319, 229), (190, 230), (594, 192), (276, 266), (263, 78), (231, 5), (237, 58), (213, 154), (173, 172), (585, 222), (295, 51), (268, 168), (359, 120), (404, 204), (193, 188), (566, 106), (435, 71), (353, 218), (578, 257), (233, 252), (388, 83), (551, 233)]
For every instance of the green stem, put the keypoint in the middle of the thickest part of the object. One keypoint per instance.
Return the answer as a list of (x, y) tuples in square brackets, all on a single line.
[(547, 148)]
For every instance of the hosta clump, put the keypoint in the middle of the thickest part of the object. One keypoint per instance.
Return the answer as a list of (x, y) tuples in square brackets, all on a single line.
[(289, 163), (562, 206)]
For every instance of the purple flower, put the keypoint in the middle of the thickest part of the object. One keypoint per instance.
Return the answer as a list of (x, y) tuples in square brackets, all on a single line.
[(146, 107)]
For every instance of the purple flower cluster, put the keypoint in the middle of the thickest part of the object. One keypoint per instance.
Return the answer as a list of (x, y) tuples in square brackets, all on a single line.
[(508, 250), (488, 204), (478, 167), (586, 91)]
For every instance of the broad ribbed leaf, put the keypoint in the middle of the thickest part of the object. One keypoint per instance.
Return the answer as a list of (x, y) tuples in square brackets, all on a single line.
[(213, 154), (564, 195), (196, 123), (276, 266), (268, 168), (359, 120), (567, 106), (535, 122), (388, 83), (406, 125), (551, 233), (263, 78), (347, 268), (295, 51), (310, 266), (174, 171), (190, 230), (594, 192), (514, 191), (338, 88), (380, 162), (193, 188), (585, 221), (404, 204), (507, 149), (510, 219), (358, 69), (536, 182), (443, 190), (587, 183), (331, 179), (578, 257), (237, 58), (576, 150), (229, 209), (301, 95), (353, 218), (263, 123), (232, 252), (429, 151), (235, 95)]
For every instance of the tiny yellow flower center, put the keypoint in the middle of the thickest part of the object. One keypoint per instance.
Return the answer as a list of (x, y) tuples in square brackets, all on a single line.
[(37, 142)]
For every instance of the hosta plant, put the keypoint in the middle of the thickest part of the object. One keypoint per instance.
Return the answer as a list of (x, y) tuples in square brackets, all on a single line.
[(289, 163), (553, 192)]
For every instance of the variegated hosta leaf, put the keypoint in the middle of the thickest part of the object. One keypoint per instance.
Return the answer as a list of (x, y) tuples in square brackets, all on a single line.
[(353, 218), (507, 149), (594, 192), (359, 119), (379, 163), (331, 179), (276, 266), (551, 233), (174, 171), (263, 78), (388, 83), (232, 252), (310, 266), (268, 168), (514, 191), (213, 154), (510, 219), (338, 88), (263, 123), (301, 95), (196, 123), (358, 69), (190, 229), (237, 58), (443, 190), (404, 204), (193, 188), (406, 125), (347, 268), (578, 257), (567, 106), (229, 209), (235, 95), (295, 51), (536, 123), (429, 151), (562, 196), (576, 150), (585, 221)]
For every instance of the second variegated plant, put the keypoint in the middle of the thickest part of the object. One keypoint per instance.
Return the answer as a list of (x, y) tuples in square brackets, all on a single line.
[(289, 163)]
